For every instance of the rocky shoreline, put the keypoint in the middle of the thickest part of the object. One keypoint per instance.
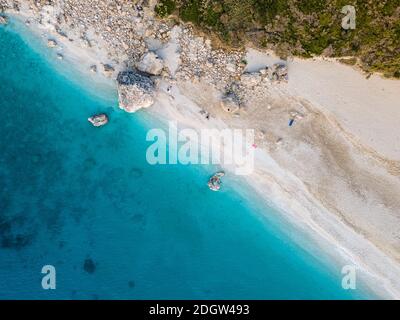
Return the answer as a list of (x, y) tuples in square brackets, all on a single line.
[(127, 31)]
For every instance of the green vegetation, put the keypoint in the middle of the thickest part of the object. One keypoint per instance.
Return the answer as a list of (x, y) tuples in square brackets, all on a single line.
[(300, 27), (165, 7), (349, 61)]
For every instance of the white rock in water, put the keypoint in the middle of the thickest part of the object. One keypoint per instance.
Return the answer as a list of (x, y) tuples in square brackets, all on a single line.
[(151, 63), (98, 120), (135, 91), (3, 20), (51, 43)]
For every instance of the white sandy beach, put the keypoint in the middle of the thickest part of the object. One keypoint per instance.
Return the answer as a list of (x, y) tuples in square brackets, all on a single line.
[(285, 191), (335, 173)]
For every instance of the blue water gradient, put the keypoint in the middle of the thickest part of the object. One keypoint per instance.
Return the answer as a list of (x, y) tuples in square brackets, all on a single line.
[(85, 200)]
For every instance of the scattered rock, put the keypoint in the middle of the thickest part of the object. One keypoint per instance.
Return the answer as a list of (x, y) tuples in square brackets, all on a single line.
[(108, 69), (250, 79), (206, 114), (60, 31), (263, 72), (151, 63), (51, 43), (3, 20), (231, 67), (279, 72), (260, 134), (135, 91), (85, 42), (98, 120), (93, 68), (230, 103), (198, 59)]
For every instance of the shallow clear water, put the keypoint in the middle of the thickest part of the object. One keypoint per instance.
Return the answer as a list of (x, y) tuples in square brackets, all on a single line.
[(71, 193)]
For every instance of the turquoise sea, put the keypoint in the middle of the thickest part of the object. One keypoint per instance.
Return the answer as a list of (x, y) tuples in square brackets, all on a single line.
[(84, 200)]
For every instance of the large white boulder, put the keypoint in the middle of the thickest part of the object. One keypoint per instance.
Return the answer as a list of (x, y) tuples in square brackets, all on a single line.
[(135, 91), (151, 63)]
